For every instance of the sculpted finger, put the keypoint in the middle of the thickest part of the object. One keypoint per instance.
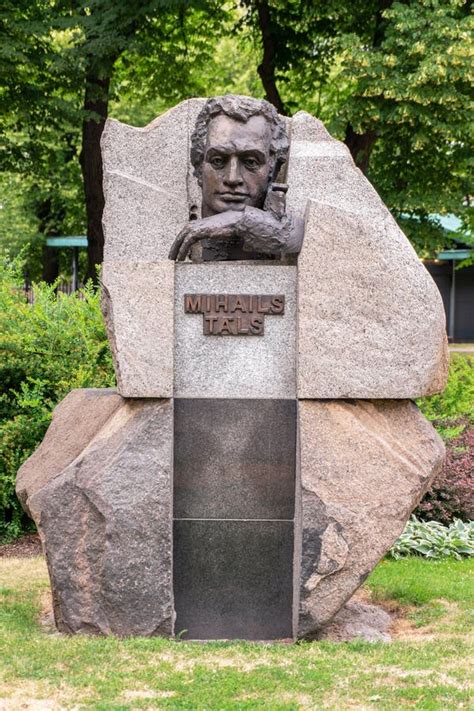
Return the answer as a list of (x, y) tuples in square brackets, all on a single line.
[(173, 253), (186, 245)]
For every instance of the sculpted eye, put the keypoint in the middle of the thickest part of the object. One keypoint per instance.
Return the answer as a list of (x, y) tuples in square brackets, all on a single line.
[(217, 162), (251, 163)]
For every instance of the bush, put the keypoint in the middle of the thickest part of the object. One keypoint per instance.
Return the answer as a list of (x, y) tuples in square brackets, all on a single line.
[(457, 400), (452, 493), (452, 413), (47, 349), (431, 539)]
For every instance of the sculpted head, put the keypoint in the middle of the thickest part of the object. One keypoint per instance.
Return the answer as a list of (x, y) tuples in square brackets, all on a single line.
[(236, 145)]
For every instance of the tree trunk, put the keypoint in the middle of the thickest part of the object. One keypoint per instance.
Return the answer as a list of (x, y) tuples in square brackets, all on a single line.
[(50, 264), (266, 69), (361, 144), (96, 100), (49, 224)]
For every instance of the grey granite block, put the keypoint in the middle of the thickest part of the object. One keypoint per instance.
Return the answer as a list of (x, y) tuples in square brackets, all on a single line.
[(137, 302), (148, 183), (321, 168), (104, 513), (364, 467), (233, 579), (371, 321), (235, 366), (234, 458)]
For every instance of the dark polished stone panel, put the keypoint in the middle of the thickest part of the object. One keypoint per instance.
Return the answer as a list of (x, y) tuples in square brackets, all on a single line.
[(233, 579), (234, 458)]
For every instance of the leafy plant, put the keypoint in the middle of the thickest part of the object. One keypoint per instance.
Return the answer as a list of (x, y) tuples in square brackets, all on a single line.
[(451, 494), (431, 539), (457, 400), (452, 413), (47, 348)]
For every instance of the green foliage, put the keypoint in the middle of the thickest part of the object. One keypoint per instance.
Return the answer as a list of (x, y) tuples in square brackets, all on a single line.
[(456, 401), (431, 539), (47, 349), (52, 56), (400, 75), (404, 75), (40, 120), (414, 89)]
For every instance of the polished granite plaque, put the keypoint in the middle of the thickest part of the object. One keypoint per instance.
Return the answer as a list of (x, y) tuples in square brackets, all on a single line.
[(233, 579), (234, 458), (234, 505)]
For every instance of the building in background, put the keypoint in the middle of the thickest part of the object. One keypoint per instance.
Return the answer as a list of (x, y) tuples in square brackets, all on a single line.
[(455, 284)]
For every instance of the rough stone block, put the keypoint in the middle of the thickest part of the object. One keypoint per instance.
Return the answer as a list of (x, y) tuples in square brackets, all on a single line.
[(321, 168), (364, 467), (371, 322), (148, 183), (235, 366), (140, 219), (137, 302), (68, 435), (371, 319), (103, 508)]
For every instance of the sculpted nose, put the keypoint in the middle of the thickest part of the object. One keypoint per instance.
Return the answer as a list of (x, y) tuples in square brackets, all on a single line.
[(232, 176)]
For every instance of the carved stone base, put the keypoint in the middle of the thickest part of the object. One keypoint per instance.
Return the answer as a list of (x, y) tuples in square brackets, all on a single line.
[(255, 556)]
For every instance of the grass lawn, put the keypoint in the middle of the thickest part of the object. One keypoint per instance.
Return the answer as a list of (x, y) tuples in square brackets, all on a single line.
[(426, 667)]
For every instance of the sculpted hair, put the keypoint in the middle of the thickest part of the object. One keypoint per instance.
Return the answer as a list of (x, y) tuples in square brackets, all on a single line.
[(239, 108)]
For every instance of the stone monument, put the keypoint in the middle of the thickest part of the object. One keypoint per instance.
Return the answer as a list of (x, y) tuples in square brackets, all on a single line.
[(270, 325)]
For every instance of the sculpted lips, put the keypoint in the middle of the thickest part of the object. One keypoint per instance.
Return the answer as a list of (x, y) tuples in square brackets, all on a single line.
[(233, 197)]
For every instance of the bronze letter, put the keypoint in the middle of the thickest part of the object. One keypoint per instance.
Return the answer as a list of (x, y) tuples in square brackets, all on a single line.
[(192, 303), (222, 302), (256, 325), (278, 304), (208, 322)]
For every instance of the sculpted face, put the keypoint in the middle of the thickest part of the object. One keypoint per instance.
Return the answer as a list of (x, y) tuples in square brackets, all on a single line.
[(236, 166)]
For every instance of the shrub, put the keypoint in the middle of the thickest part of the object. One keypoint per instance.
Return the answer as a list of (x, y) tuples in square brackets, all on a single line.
[(47, 349), (452, 493), (431, 539), (452, 413), (457, 400)]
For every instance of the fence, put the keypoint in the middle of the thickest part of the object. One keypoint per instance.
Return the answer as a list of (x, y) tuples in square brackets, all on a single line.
[(62, 288)]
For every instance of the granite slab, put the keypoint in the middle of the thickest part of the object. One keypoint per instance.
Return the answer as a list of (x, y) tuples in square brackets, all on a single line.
[(105, 514), (137, 302), (235, 366), (233, 579), (234, 458)]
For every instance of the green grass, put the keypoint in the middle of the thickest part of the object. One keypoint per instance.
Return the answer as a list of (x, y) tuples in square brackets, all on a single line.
[(426, 668), (415, 581)]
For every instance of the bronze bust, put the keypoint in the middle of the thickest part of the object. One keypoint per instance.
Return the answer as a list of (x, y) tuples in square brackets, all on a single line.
[(238, 149)]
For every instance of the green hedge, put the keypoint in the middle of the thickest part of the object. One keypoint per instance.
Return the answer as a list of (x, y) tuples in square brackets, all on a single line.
[(47, 348)]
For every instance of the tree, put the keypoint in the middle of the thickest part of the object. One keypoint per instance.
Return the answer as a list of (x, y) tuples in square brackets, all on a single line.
[(39, 117), (297, 39), (412, 94), (59, 50), (392, 80)]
